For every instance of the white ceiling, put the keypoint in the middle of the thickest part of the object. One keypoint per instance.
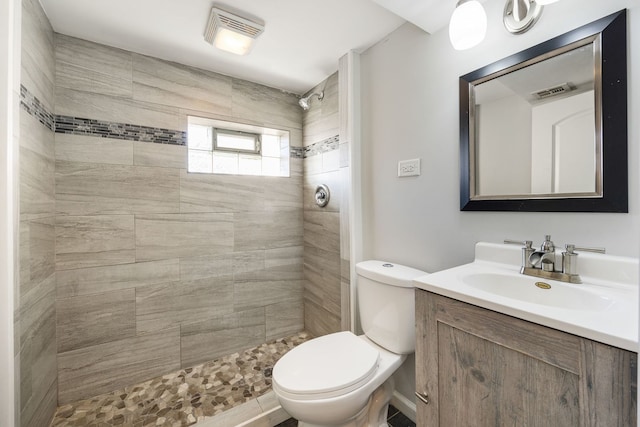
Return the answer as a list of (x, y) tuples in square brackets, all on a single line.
[(300, 47)]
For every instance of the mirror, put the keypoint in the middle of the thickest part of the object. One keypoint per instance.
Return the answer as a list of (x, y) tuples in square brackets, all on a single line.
[(546, 129)]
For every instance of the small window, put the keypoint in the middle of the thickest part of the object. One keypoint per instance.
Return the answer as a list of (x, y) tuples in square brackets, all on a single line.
[(219, 147), (229, 140)]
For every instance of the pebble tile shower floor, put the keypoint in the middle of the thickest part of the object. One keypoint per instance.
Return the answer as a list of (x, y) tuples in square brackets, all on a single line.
[(185, 397)]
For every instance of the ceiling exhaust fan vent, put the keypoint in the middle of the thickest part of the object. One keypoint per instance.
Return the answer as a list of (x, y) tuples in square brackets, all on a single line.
[(553, 91), (222, 19)]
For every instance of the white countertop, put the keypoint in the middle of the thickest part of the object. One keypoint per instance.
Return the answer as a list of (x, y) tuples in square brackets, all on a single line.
[(615, 323)]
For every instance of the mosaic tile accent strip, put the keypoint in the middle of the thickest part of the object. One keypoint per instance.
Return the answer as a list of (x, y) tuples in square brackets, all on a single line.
[(104, 129), (296, 152), (32, 105), (326, 145), (185, 397)]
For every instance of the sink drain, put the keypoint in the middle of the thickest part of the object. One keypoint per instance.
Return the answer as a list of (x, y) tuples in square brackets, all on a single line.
[(543, 285)]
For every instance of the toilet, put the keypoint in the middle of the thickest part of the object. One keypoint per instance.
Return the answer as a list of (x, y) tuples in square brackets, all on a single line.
[(342, 379)]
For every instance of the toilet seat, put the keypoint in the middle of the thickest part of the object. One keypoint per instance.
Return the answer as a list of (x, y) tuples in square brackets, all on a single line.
[(328, 366)]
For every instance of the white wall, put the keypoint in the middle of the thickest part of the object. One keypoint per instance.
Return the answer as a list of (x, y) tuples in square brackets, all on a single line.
[(9, 95), (410, 109)]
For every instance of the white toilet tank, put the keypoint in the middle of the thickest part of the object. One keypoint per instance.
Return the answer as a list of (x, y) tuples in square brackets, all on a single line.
[(386, 304)]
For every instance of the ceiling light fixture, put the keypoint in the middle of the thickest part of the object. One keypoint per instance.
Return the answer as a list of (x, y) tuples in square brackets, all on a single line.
[(230, 32), (468, 24)]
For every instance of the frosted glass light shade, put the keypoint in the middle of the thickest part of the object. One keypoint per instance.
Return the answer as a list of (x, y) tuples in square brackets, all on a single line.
[(468, 24), (232, 41)]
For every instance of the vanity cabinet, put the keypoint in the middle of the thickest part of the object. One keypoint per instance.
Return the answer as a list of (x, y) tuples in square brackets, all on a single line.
[(481, 368)]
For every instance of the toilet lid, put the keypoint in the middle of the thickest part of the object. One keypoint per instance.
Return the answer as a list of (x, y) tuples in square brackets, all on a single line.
[(330, 365)]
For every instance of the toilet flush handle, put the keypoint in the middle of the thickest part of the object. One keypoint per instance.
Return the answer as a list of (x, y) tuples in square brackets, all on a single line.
[(423, 397)]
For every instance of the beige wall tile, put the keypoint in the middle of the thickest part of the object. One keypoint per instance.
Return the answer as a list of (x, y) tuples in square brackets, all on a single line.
[(169, 83), (266, 105), (312, 165), (322, 278), (220, 193), (38, 64), (37, 252), (263, 288), (283, 193), (36, 137), (160, 155), (345, 301), (295, 136), (94, 280), (289, 258), (36, 340), (34, 296), (87, 320), (92, 188), (40, 401), (160, 236), (36, 184), (284, 318), (180, 262), (105, 367), (92, 67), (37, 319), (318, 321), (91, 241), (331, 160), (37, 167), (172, 304), (222, 335), (200, 267), (74, 103), (91, 149), (267, 230), (247, 262), (321, 121), (322, 230), (296, 167)]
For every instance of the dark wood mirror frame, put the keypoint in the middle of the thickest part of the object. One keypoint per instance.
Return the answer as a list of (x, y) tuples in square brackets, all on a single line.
[(613, 33)]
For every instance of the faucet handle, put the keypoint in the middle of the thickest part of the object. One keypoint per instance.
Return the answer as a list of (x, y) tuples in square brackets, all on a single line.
[(527, 250), (527, 243), (571, 248)]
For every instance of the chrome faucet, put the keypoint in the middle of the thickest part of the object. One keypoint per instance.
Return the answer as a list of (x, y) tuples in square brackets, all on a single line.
[(545, 258), (542, 263)]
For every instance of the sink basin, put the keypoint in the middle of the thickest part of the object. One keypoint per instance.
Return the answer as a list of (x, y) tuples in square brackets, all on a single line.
[(603, 308), (539, 291)]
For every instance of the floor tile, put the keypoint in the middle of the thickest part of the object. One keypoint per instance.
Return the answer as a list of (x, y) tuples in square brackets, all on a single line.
[(187, 396)]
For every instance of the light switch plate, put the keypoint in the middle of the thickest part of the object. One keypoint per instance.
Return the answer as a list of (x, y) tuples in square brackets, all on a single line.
[(409, 167)]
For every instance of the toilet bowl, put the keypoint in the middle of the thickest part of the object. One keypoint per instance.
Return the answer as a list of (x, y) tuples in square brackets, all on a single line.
[(342, 379), (339, 384)]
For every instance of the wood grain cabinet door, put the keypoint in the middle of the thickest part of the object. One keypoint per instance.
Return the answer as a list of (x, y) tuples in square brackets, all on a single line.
[(480, 368)]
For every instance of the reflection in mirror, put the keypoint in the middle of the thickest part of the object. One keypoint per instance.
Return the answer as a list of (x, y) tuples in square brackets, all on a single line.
[(535, 129), (546, 129)]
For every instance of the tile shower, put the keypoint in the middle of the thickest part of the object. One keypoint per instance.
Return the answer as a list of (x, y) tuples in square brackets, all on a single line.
[(130, 267)]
